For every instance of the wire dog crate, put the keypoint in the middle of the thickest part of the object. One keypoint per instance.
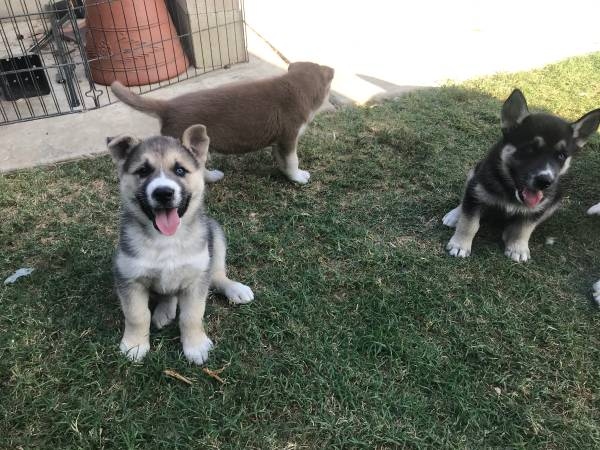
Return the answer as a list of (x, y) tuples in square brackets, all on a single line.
[(58, 57)]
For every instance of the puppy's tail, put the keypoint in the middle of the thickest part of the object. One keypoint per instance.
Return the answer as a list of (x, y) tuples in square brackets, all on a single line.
[(146, 105)]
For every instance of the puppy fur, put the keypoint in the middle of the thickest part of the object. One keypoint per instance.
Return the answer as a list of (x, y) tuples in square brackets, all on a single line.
[(245, 117), (168, 249), (595, 210), (519, 177)]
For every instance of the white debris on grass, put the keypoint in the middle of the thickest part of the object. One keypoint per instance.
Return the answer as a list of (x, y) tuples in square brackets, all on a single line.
[(23, 272), (550, 240)]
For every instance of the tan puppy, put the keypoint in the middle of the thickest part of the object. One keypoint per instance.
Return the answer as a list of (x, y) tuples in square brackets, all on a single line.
[(245, 117)]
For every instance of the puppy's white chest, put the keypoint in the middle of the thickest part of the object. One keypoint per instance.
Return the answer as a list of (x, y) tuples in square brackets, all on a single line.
[(168, 268), (177, 272)]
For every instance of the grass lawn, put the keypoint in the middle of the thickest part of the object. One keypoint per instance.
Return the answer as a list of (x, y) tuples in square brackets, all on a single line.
[(364, 333)]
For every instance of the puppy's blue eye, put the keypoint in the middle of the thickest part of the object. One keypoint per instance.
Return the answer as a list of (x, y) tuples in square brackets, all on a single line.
[(179, 171)]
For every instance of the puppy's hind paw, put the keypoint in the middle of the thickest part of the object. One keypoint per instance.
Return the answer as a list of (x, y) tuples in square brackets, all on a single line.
[(594, 210), (458, 250), (164, 313), (451, 217), (518, 252)]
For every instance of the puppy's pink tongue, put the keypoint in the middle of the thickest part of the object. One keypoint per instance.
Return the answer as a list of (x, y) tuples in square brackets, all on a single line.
[(167, 221), (532, 198)]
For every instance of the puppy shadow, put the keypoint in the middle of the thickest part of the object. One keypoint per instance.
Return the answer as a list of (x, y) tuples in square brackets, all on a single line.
[(259, 165), (489, 235)]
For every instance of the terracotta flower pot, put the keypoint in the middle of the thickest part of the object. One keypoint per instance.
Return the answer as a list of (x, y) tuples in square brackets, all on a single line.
[(133, 41)]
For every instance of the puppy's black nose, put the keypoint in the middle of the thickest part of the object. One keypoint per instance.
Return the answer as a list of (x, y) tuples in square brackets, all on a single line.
[(163, 194), (541, 182)]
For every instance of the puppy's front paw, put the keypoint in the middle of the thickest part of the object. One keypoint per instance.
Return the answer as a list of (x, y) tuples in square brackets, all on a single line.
[(164, 313), (517, 251), (299, 176), (198, 353), (451, 217), (594, 210), (596, 293), (134, 352), (238, 293), (212, 176), (458, 249)]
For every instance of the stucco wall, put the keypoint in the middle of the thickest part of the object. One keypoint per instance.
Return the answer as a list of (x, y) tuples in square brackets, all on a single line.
[(19, 7)]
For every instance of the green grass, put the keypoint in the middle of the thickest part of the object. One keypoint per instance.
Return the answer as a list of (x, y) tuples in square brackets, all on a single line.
[(364, 333)]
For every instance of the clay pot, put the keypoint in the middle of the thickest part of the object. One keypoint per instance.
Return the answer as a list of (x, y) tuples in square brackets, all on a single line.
[(133, 41)]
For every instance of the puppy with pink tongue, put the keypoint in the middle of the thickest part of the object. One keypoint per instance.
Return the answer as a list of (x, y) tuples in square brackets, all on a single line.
[(169, 251), (519, 178)]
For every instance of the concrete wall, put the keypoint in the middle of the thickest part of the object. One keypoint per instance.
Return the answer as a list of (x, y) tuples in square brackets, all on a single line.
[(427, 41), (17, 7)]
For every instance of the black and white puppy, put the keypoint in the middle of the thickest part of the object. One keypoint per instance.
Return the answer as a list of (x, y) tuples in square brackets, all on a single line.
[(519, 177)]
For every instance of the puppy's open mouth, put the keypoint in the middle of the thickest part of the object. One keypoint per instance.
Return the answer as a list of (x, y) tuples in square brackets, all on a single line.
[(529, 198), (166, 220)]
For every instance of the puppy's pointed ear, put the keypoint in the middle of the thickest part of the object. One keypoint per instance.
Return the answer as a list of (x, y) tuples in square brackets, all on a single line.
[(514, 110), (196, 139), (585, 127), (121, 146)]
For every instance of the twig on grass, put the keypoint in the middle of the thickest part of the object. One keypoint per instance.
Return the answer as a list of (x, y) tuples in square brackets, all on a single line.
[(177, 376), (215, 373)]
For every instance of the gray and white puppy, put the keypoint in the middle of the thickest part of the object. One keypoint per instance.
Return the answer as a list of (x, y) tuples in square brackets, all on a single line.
[(168, 250), (519, 177), (595, 210)]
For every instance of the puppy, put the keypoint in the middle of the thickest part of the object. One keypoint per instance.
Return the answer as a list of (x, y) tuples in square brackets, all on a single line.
[(244, 117), (519, 176), (168, 250), (595, 210)]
